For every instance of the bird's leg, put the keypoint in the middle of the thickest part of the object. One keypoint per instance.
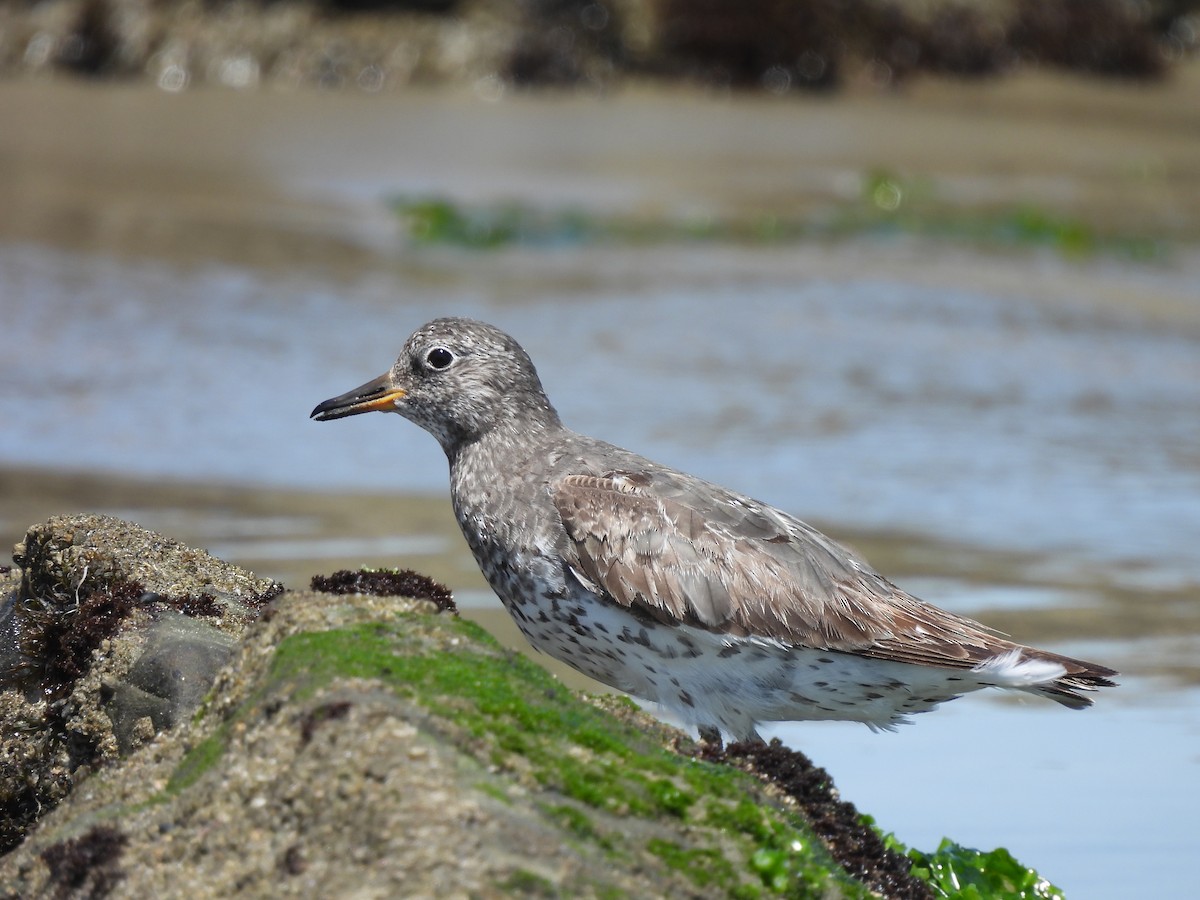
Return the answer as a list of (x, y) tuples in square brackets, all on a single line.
[(711, 735)]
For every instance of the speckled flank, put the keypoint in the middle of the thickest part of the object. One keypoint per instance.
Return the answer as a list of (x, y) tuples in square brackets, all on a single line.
[(684, 669)]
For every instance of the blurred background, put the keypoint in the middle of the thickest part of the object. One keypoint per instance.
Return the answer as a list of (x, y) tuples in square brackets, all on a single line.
[(924, 274)]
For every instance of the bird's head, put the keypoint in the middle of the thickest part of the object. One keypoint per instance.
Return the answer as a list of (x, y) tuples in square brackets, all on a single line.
[(459, 379)]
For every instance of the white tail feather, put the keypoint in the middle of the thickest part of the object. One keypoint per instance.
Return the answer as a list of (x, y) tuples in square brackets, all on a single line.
[(1012, 670)]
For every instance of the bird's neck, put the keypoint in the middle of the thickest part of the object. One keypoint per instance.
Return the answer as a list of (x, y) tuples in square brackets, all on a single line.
[(487, 487), (509, 438)]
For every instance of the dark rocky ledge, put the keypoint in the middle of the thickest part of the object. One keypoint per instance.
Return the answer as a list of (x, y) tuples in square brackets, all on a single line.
[(375, 45)]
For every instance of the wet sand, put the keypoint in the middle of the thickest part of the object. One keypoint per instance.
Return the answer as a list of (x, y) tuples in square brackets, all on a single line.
[(268, 178)]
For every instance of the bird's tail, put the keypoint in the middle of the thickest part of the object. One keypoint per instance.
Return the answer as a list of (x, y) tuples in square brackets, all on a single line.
[(1060, 678)]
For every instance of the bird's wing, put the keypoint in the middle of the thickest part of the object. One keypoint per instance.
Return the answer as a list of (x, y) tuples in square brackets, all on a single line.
[(692, 552)]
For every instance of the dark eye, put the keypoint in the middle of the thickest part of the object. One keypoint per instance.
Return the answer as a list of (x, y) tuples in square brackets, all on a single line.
[(439, 358)]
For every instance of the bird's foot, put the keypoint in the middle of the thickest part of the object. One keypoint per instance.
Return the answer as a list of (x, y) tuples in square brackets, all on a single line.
[(711, 735)]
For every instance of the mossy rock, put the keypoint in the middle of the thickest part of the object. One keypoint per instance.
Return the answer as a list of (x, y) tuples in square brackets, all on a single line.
[(374, 745), (368, 741)]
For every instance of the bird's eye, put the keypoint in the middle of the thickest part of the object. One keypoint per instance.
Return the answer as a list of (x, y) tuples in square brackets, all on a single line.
[(439, 358)]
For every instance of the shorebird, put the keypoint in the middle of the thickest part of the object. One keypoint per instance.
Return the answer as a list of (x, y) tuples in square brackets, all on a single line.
[(724, 610)]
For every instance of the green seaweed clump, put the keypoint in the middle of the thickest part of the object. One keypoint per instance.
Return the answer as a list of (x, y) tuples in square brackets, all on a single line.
[(889, 204), (437, 220), (965, 874)]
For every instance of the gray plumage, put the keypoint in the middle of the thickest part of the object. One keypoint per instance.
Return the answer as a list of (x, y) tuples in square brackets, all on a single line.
[(720, 607)]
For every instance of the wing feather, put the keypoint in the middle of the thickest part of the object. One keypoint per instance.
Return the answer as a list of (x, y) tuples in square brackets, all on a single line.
[(712, 559)]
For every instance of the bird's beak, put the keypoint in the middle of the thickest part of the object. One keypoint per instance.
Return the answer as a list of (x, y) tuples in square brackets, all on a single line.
[(379, 395)]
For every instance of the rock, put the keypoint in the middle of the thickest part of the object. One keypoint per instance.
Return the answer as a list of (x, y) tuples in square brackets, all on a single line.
[(70, 554), (106, 626), (777, 45), (170, 677), (196, 733), (347, 742)]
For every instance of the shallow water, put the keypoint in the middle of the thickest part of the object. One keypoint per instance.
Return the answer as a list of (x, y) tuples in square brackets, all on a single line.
[(1011, 436)]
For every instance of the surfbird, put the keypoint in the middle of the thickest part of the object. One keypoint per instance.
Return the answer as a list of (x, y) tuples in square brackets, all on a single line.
[(724, 610)]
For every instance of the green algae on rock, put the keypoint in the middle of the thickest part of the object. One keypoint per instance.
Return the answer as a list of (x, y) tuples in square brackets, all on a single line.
[(603, 800)]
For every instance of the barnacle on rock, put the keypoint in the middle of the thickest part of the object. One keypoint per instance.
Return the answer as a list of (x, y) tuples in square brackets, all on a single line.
[(112, 630)]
